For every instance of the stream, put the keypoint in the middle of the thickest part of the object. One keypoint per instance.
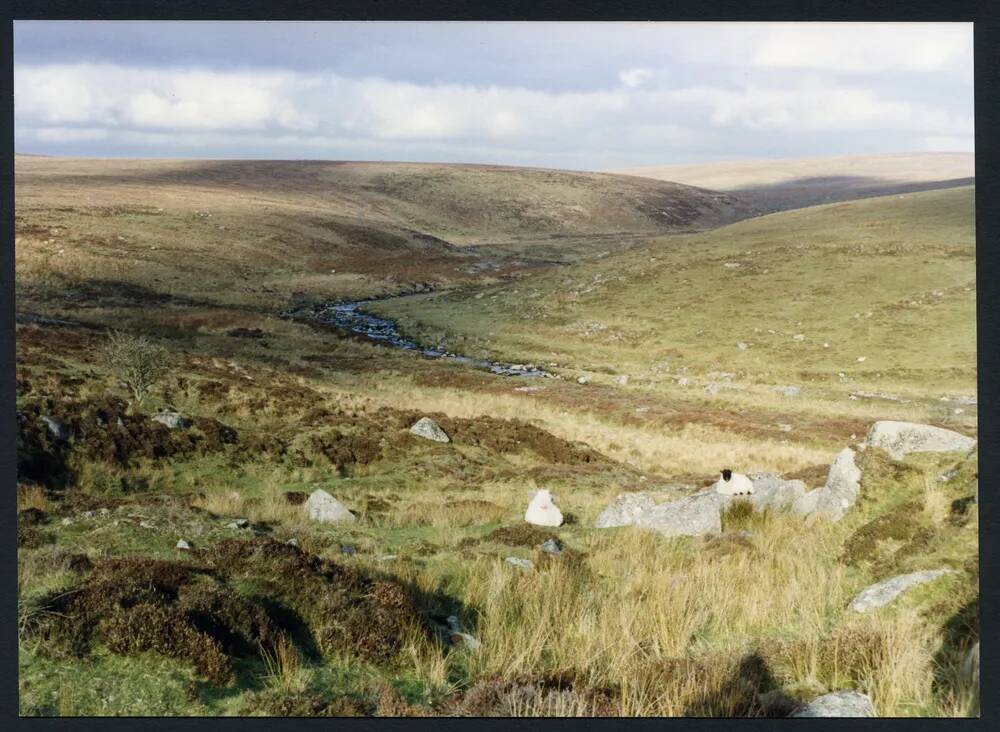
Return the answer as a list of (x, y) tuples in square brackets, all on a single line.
[(348, 316)]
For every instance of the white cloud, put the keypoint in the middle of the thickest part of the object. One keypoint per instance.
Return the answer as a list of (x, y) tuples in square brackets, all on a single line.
[(163, 109), (636, 77)]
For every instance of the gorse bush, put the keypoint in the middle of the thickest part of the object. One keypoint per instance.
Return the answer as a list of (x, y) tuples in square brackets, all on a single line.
[(137, 361)]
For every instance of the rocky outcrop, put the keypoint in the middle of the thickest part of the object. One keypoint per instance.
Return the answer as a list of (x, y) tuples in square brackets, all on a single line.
[(901, 438), (430, 430), (172, 419), (882, 593), (695, 515), (773, 493), (832, 500), (625, 509), (326, 509), (844, 703)]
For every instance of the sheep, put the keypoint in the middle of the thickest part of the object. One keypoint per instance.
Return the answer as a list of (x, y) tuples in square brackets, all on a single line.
[(734, 484), (542, 511)]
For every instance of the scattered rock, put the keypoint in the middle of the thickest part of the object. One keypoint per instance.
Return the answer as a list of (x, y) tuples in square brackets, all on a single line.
[(901, 438), (844, 703), (583, 380), (622, 380), (784, 427), (326, 509), (522, 563), (429, 430), (240, 523), (732, 265), (56, 428), (788, 391), (183, 545), (172, 419), (970, 666), (292, 542), (348, 549), (838, 494), (551, 546), (742, 346), (459, 637), (542, 511), (888, 590), (798, 337)]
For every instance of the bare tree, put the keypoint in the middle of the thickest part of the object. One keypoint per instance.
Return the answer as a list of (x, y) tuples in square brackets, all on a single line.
[(137, 361)]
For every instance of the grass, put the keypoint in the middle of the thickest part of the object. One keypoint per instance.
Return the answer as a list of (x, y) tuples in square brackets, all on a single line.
[(624, 622)]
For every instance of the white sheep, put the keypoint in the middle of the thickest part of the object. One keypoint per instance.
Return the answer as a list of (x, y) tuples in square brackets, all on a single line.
[(734, 484), (542, 511)]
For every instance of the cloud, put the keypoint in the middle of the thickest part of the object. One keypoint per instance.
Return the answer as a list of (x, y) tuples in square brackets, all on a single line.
[(633, 78), (273, 112)]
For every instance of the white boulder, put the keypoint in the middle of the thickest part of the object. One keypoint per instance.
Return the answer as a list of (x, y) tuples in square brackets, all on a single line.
[(695, 515), (542, 511), (430, 430), (322, 507), (901, 438)]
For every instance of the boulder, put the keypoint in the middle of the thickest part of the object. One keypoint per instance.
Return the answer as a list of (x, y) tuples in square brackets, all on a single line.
[(844, 703), (56, 428), (843, 483), (171, 419), (183, 545), (695, 515), (773, 493), (882, 593), (326, 509), (970, 666), (518, 562), (430, 430), (627, 507), (459, 637), (551, 546), (542, 511), (901, 438)]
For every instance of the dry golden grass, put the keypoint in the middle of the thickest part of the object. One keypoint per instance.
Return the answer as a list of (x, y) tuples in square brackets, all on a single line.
[(32, 496)]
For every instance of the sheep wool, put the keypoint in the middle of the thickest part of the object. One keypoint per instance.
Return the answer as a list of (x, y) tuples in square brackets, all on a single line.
[(737, 485), (542, 511)]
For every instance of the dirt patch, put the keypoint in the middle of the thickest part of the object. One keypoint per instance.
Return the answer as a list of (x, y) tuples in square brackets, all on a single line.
[(524, 535)]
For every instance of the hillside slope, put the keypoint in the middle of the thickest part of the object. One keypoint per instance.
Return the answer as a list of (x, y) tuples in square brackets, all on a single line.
[(882, 290), (776, 185), (229, 228)]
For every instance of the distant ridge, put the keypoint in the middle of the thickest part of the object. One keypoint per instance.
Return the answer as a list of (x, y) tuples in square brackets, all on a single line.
[(777, 185)]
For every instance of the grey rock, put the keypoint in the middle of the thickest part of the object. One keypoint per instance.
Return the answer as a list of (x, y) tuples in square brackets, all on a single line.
[(183, 545), (292, 542), (348, 550), (882, 593), (322, 507), (147, 524), (901, 438), (621, 380), (625, 509), (428, 429), (695, 515), (583, 380), (518, 562), (742, 346), (551, 546), (845, 703), (788, 391), (773, 493), (970, 666), (240, 523), (832, 501), (459, 637), (56, 428), (172, 419)]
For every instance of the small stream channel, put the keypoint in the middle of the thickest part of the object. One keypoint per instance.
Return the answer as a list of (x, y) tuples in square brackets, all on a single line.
[(349, 317)]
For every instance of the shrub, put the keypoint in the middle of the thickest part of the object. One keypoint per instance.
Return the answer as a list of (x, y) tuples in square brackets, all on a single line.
[(137, 361)]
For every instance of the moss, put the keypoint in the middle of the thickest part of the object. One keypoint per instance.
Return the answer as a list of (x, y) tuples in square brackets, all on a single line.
[(905, 523)]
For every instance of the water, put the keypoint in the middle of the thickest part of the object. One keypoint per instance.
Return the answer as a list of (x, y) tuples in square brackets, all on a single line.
[(348, 316)]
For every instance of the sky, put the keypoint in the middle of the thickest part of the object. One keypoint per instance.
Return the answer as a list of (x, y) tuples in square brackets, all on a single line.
[(586, 96)]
